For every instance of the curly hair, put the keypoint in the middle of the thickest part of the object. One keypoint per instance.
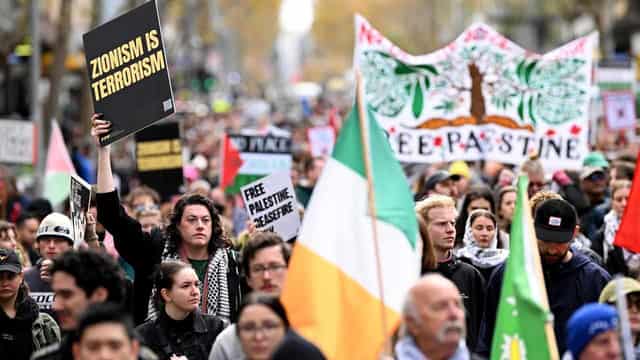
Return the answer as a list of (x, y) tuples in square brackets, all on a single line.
[(218, 237), (92, 270)]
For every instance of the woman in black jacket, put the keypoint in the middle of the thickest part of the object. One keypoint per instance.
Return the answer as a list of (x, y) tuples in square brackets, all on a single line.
[(194, 236), (180, 329), (23, 328)]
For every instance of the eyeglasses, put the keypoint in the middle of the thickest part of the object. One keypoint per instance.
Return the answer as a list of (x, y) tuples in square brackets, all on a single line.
[(272, 268), (251, 329)]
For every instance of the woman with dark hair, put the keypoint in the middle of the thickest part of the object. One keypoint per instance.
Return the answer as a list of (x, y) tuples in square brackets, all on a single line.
[(180, 329), (506, 204), (478, 197), (481, 243), (23, 328), (194, 236), (264, 332)]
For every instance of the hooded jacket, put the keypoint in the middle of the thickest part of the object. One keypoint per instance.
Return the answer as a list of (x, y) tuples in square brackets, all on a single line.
[(28, 331), (471, 285), (569, 286)]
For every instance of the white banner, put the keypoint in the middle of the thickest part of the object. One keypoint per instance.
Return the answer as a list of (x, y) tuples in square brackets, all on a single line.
[(16, 141), (480, 97)]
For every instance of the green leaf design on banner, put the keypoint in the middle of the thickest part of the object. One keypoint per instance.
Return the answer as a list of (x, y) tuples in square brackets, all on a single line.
[(533, 119), (521, 108), (417, 101), (403, 69), (519, 70), (528, 70), (430, 68), (391, 84)]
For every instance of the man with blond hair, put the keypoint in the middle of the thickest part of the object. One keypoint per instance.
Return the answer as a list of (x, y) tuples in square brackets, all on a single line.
[(439, 213)]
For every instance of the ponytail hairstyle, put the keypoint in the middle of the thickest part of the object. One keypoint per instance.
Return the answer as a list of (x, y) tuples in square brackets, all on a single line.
[(164, 278)]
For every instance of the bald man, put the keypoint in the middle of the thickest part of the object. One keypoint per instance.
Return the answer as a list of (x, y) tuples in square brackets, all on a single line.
[(433, 316)]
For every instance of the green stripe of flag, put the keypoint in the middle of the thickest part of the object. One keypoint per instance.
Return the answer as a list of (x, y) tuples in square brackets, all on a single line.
[(394, 203)]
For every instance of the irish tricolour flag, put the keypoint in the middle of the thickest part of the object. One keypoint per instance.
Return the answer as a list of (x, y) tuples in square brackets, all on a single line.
[(333, 294), (523, 326)]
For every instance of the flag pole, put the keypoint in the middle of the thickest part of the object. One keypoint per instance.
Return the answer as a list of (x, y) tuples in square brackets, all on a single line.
[(623, 315), (364, 134), (533, 249)]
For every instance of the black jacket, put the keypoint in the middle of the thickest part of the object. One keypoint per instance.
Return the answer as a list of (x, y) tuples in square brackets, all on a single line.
[(16, 339), (569, 286), (144, 252), (192, 337), (471, 285)]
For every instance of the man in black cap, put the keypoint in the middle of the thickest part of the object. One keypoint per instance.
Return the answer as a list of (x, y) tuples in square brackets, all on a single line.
[(571, 279), (441, 182)]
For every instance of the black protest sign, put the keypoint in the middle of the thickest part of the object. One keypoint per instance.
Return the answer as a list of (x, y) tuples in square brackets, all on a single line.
[(79, 204), (159, 158), (128, 72)]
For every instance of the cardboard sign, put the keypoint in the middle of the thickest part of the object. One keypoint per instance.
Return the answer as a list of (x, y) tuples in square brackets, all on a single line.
[(271, 204), (79, 199), (16, 142), (128, 72), (620, 110), (321, 140), (159, 158)]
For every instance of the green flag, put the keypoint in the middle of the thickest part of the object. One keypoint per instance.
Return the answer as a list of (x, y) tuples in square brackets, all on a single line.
[(523, 326)]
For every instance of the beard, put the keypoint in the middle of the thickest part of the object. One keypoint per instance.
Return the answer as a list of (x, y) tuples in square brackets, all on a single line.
[(551, 259)]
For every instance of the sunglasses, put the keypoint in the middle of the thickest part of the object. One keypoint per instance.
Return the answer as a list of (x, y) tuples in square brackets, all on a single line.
[(596, 176)]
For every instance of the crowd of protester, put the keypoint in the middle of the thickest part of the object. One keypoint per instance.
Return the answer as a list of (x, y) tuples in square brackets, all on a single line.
[(189, 277)]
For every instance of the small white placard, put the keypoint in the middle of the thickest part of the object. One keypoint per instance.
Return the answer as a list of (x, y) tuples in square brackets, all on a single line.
[(272, 206)]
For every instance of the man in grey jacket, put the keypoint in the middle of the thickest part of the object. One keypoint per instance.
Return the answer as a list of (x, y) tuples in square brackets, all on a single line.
[(264, 261)]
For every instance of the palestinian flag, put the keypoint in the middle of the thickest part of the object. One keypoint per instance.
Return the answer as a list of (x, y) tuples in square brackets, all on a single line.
[(57, 180), (247, 158)]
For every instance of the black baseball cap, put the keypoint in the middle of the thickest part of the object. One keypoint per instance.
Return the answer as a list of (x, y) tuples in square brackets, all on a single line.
[(9, 261), (438, 177), (555, 221)]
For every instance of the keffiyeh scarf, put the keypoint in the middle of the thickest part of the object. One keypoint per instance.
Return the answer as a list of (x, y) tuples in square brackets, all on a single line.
[(214, 288)]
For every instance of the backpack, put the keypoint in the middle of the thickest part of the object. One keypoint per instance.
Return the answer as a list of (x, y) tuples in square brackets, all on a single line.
[(45, 331)]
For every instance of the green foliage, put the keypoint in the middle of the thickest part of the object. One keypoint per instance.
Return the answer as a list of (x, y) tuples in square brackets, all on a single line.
[(391, 83)]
